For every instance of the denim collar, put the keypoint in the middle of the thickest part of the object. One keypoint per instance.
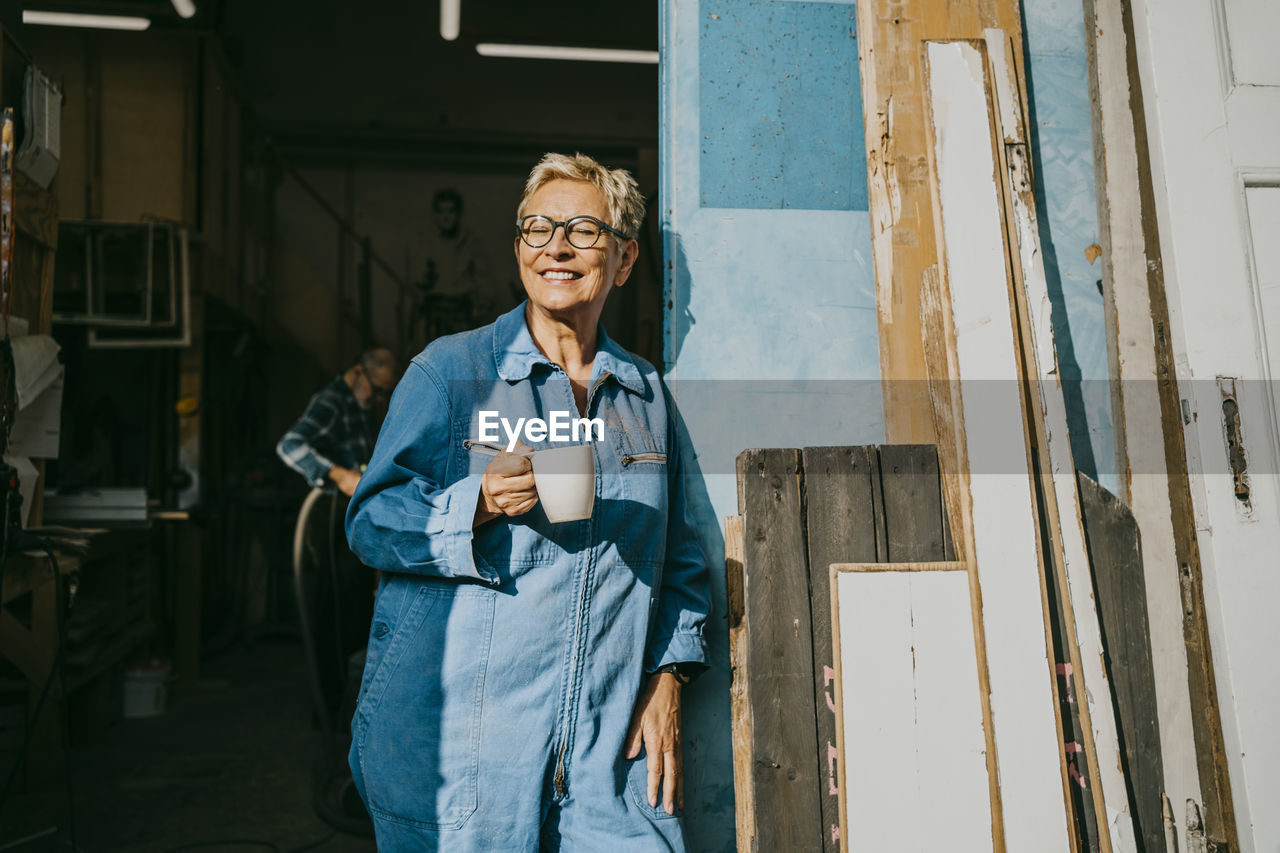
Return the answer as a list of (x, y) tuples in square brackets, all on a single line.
[(515, 353)]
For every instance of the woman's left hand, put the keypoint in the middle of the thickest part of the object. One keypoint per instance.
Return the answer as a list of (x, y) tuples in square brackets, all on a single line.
[(655, 724)]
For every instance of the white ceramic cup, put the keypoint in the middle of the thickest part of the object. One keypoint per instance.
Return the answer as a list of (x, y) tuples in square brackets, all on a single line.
[(566, 481)]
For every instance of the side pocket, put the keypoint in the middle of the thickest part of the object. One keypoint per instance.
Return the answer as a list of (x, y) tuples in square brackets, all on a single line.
[(389, 611), (420, 726), (379, 670), (638, 783)]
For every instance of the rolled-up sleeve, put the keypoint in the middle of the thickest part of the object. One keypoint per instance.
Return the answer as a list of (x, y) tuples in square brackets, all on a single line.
[(403, 517), (684, 601)]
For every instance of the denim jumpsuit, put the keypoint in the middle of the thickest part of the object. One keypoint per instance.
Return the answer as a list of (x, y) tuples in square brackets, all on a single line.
[(504, 663)]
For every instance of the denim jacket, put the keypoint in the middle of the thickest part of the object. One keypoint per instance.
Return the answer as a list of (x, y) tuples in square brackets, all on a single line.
[(412, 512)]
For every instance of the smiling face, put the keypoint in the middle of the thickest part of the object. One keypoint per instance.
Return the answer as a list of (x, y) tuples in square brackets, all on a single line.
[(564, 281)]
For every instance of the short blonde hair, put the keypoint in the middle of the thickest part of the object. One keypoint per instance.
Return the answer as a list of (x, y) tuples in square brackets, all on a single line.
[(621, 193)]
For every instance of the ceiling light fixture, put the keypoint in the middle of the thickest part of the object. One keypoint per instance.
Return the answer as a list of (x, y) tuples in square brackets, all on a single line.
[(549, 51), (96, 22), (184, 8), (450, 19)]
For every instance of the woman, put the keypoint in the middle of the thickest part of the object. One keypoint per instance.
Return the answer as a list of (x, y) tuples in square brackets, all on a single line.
[(522, 685)]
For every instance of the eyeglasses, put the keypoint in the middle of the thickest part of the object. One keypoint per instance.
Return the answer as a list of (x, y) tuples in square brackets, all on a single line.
[(582, 231), (376, 390)]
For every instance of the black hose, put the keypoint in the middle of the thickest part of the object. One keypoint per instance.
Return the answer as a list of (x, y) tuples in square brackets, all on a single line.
[(331, 539), (304, 617), (331, 769)]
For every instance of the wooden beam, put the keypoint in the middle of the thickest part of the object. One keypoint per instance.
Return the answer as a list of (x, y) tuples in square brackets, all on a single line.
[(1115, 553), (739, 703), (779, 654), (898, 182), (844, 521), (914, 520)]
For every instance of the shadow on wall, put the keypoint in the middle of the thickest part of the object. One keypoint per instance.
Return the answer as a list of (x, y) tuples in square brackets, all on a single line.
[(708, 748), (680, 318)]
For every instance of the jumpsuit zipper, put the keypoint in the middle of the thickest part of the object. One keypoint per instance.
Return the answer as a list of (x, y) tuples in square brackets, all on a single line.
[(560, 786), (575, 674)]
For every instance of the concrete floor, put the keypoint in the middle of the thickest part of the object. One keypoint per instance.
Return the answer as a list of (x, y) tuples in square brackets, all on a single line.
[(231, 759)]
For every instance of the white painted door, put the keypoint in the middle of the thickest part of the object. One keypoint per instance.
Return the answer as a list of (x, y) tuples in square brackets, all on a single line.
[(1210, 75)]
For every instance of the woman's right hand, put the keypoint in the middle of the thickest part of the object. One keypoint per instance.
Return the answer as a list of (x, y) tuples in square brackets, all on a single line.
[(507, 486)]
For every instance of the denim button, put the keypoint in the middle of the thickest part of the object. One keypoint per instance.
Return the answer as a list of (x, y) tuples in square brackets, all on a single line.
[(380, 629)]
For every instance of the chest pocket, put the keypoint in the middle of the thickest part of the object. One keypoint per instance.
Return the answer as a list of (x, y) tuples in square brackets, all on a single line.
[(642, 535)]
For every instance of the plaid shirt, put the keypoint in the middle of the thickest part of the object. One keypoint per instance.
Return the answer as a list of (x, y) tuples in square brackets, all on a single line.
[(334, 430)]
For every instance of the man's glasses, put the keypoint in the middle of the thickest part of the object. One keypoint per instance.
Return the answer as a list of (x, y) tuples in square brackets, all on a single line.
[(376, 390), (582, 231)]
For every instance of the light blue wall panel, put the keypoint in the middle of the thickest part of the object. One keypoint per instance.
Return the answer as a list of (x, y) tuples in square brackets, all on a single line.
[(778, 135)]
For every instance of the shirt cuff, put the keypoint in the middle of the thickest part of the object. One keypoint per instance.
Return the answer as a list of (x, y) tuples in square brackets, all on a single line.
[(459, 531), (316, 469), (681, 647)]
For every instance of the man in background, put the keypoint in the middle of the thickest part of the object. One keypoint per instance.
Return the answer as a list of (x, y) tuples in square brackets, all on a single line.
[(334, 438), (450, 272)]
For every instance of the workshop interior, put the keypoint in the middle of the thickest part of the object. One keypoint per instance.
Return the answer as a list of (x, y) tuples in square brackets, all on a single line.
[(970, 308)]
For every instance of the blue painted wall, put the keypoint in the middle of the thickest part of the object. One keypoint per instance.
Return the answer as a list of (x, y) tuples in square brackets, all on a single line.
[(770, 326), (771, 142)]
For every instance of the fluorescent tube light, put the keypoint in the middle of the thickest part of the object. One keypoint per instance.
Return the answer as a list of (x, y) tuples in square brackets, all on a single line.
[(97, 22), (548, 51), (450, 19), (184, 8)]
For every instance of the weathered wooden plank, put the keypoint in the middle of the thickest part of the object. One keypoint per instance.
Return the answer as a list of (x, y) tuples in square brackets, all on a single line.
[(1004, 524), (1115, 553), (912, 715), (895, 107), (1146, 408), (844, 524), (1065, 551), (914, 520), (739, 707), (779, 654), (938, 336)]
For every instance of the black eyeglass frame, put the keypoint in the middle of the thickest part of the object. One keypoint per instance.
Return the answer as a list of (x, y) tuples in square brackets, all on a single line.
[(604, 226)]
